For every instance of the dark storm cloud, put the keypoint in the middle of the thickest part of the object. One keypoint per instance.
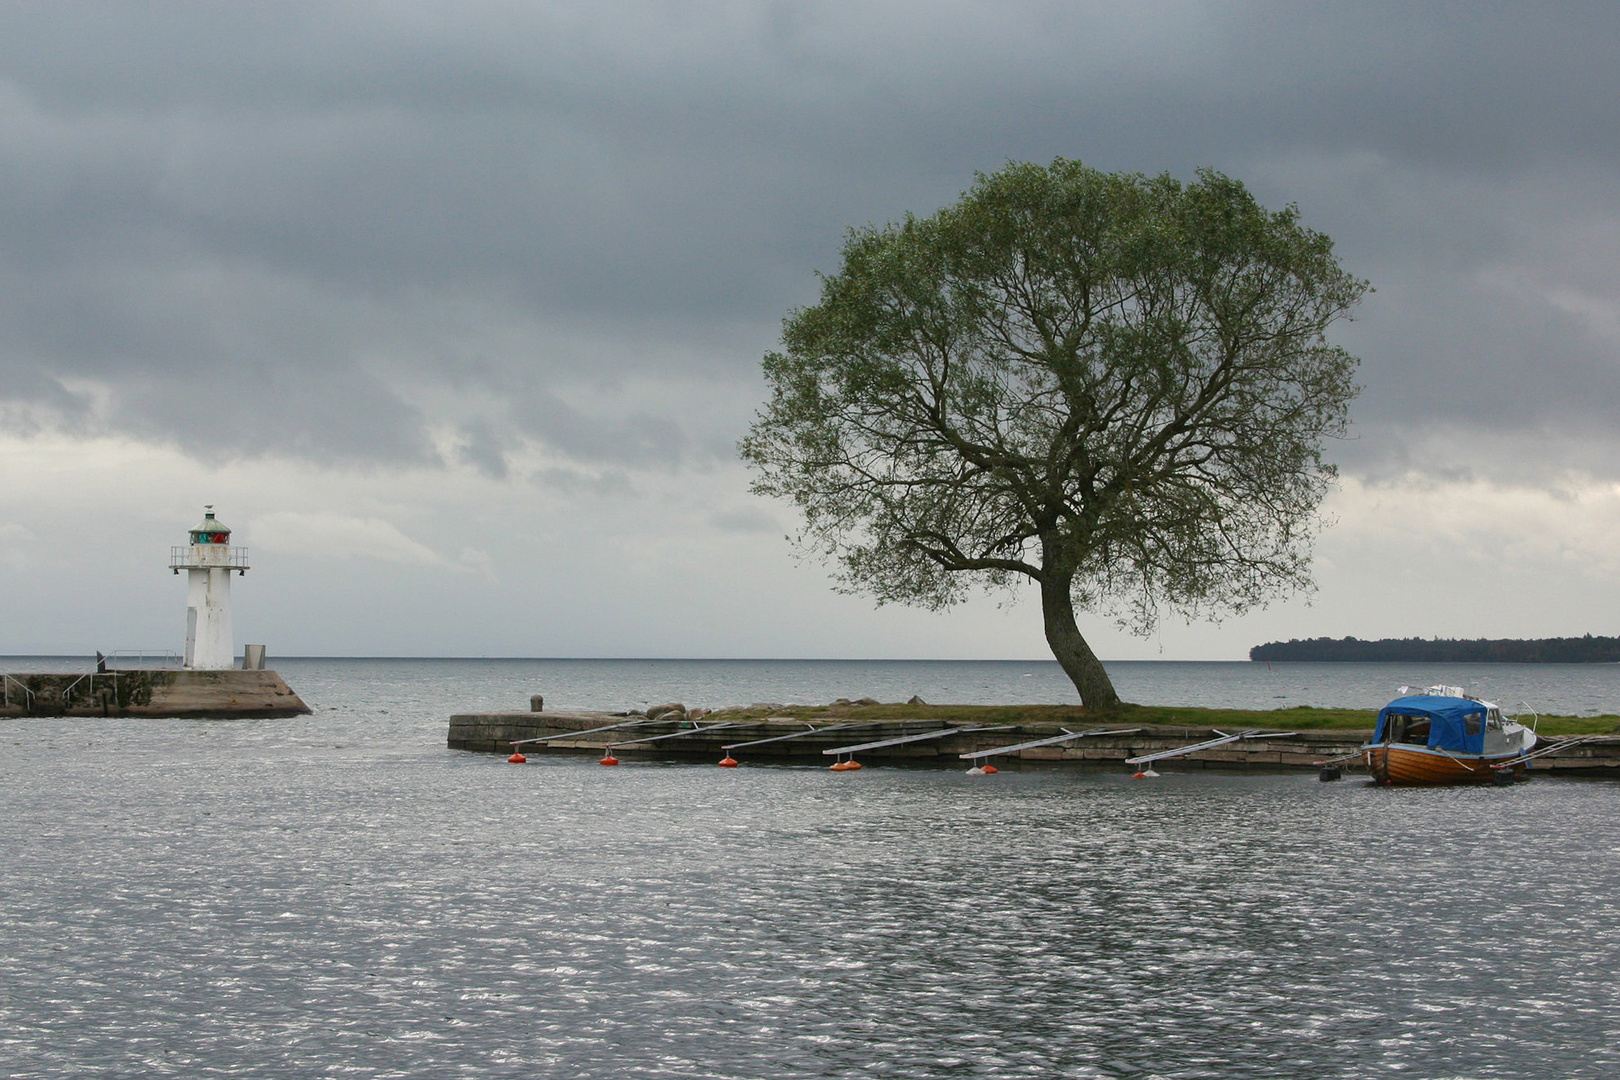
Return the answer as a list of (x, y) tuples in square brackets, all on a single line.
[(308, 220)]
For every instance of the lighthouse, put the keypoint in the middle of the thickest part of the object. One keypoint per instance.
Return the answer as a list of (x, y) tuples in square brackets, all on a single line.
[(209, 561)]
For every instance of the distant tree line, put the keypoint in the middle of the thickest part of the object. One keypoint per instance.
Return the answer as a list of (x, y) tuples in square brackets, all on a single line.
[(1581, 650)]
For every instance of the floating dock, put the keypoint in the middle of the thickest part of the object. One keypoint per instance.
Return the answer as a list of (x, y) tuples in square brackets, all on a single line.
[(929, 742), (227, 694)]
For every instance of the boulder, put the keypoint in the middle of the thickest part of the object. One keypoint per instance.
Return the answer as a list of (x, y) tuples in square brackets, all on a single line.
[(916, 700), (868, 701), (537, 703), (697, 714), (673, 710)]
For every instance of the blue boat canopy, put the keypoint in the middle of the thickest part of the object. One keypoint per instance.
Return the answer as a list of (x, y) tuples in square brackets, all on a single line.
[(1455, 724)]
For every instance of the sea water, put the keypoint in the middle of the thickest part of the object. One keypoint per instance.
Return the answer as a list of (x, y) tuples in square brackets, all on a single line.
[(467, 685), (340, 895)]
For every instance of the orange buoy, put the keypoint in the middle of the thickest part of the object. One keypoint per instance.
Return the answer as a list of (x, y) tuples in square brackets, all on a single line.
[(517, 758), (728, 762), (608, 759), (990, 770), (1145, 774), (845, 766), (852, 764)]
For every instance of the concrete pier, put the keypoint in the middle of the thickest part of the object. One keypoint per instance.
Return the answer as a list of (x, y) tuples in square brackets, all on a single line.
[(160, 692), (494, 732)]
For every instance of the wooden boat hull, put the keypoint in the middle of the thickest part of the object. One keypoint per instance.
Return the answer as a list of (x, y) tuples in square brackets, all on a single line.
[(1418, 766)]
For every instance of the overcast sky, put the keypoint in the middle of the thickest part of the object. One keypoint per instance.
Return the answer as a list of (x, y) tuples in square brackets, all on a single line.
[(455, 310)]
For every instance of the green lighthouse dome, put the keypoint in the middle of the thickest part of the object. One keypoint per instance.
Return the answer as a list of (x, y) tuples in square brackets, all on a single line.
[(211, 530)]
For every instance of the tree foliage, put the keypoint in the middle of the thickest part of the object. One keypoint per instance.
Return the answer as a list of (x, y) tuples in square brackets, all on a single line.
[(1113, 385)]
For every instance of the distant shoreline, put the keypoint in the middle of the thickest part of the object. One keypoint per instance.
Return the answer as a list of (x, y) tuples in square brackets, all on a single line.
[(1581, 650)]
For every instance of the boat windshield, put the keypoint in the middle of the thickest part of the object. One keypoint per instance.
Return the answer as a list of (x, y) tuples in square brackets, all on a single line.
[(1407, 729)]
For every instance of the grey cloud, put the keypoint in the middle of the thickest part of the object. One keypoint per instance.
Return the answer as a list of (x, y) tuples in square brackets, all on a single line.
[(312, 220), (483, 450), (639, 439), (607, 483), (343, 416), (1484, 87), (219, 361), (747, 519)]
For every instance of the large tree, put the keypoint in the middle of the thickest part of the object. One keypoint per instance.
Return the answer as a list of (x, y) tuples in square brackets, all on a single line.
[(1111, 385)]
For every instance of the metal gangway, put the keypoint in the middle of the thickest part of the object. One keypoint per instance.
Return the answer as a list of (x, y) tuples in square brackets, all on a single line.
[(1067, 736), (643, 722), (900, 739), (1249, 733), (686, 732), (1550, 747), (580, 734), (813, 730)]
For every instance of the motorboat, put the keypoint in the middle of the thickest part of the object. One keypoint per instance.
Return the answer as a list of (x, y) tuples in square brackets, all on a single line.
[(1439, 735)]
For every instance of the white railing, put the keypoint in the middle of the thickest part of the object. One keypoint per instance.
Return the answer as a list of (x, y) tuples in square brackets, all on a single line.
[(125, 659), (89, 679), (207, 556), (7, 682)]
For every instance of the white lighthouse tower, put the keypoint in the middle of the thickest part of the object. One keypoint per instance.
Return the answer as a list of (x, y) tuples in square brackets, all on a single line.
[(209, 561)]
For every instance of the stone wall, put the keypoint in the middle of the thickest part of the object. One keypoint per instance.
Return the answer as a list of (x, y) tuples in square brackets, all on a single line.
[(150, 692)]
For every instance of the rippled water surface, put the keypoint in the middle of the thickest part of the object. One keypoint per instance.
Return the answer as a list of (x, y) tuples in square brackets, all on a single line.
[(340, 896)]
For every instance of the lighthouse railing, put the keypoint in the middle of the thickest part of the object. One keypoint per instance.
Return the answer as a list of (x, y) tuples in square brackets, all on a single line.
[(207, 557)]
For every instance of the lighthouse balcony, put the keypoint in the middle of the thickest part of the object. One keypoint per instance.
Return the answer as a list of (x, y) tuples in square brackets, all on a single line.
[(208, 557)]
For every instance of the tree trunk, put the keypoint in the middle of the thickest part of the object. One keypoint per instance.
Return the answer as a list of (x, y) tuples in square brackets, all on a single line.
[(1072, 653)]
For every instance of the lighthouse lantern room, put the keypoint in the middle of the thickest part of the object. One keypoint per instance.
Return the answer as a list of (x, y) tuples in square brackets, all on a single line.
[(209, 561)]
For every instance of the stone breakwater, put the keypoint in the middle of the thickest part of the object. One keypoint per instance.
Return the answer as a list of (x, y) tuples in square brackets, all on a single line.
[(696, 735), (161, 692)]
